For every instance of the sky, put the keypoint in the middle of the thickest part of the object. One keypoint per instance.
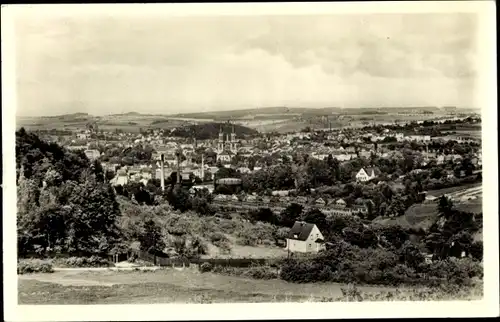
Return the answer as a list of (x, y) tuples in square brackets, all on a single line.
[(102, 64)]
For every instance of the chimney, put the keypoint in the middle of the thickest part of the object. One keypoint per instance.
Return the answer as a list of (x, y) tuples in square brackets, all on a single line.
[(178, 168), (202, 167), (162, 174)]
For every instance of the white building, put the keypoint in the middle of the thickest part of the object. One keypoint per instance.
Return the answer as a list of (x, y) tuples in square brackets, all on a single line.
[(366, 174), (225, 156), (304, 238), (92, 154)]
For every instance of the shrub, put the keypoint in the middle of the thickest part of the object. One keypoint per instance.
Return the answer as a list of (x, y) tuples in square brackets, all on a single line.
[(476, 250), (246, 241), (456, 271), (257, 272), (93, 261), (225, 247), (217, 238), (206, 267), (344, 263), (26, 266), (260, 272)]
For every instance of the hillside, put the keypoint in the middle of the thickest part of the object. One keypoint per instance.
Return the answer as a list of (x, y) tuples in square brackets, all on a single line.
[(211, 130), (304, 111)]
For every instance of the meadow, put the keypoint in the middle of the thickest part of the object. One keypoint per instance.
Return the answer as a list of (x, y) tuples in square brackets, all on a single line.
[(190, 286)]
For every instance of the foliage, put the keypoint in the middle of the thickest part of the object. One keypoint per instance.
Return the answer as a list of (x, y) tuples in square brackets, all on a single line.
[(178, 197), (211, 130), (26, 266), (92, 261), (345, 263), (65, 205), (290, 214), (151, 240), (205, 267), (265, 272), (476, 250)]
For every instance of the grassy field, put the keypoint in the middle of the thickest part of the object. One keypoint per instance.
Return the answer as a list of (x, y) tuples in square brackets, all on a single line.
[(440, 192), (172, 286), (126, 122), (423, 215), (163, 286)]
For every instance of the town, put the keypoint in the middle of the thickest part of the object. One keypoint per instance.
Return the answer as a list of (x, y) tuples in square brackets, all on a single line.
[(376, 173), (260, 158), (235, 201)]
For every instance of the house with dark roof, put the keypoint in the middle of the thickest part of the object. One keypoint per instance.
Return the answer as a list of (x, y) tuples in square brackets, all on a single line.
[(304, 238)]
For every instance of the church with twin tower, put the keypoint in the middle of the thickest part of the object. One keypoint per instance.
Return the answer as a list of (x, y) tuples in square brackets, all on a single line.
[(226, 149)]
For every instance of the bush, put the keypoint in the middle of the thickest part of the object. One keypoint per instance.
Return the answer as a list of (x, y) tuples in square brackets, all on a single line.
[(257, 272), (225, 247), (93, 261), (206, 267), (26, 266), (261, 272), (476, 250), (216, 238), (344, 263)]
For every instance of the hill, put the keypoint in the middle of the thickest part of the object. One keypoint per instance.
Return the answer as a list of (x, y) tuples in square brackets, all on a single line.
[(250, 113), (211, 130)]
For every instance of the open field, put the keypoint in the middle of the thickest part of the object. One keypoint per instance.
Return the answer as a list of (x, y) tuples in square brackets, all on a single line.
[(240, 251), (451, 190), (264, 120), (170, 285), (423, 215), (124, 122)]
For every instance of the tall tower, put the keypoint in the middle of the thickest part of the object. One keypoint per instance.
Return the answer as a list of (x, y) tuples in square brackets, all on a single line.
[(162, 173), (220, 145), (203, 167), (233, 140)]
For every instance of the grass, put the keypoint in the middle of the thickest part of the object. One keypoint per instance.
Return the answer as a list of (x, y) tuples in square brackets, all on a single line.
[(189, 286), (440, 192), (423, 215), (126, 123), (417, 216)]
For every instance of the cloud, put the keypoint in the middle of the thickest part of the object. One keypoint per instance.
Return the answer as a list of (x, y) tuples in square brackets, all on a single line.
[(108, 64), (411, 46)]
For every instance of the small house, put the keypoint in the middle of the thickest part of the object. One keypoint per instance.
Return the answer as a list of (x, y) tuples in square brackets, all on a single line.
[(367, 174), (304, 238), (320, 202), (340, 203)]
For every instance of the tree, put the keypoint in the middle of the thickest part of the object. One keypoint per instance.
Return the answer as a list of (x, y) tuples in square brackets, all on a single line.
[(445, 206), (290, 214), (394, 236), (315, 216), (281, 234), (178, 197), (476, 250), (411, 255), (151, 240)]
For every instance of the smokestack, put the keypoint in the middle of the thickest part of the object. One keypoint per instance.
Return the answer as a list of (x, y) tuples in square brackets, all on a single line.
[(179, 153), (202, 167), (178, 169), (162, 174)]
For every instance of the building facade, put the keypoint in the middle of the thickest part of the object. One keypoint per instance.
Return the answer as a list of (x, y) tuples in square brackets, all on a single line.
[(304, 238)]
